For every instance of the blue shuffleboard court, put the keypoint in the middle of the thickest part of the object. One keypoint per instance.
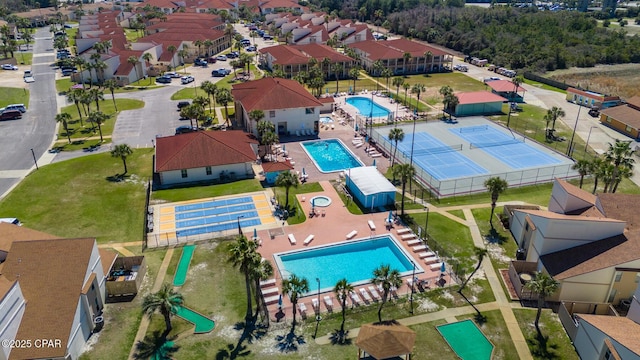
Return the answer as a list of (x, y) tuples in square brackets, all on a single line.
[(507, 148), (213, 204), (440, 160)]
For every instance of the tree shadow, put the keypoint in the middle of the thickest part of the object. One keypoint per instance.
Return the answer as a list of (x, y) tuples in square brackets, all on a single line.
[(232, 352), (117, 178), (541, 348), (338, 337), (250, 331), (156, 345), (289, 342), (494, 237)]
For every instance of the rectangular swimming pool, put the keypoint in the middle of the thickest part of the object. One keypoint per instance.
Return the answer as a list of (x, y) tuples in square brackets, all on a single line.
[(353, 260), (330, 155), (367, 107)]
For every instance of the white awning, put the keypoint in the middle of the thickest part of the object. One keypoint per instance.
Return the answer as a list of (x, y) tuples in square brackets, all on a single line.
[(369, 180)]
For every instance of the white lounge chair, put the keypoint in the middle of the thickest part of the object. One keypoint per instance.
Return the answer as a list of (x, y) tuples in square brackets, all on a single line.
[(271, 299), (372, 225), (408, 236), (414, 242), (352, 234), (431, 259), (436, 266), (292, 239), (357, 145), (355, 299), (374, 293), (365, 295), (409, 283), (403, 231), (419, 248), (270, 291), (315, 304), (267, 283), (376, 155), (297, 132), (425, 254), (328, 302), (303, 308), (308, 239)]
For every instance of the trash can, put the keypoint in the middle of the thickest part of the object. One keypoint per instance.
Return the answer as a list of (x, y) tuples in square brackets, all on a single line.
[(98, 321)]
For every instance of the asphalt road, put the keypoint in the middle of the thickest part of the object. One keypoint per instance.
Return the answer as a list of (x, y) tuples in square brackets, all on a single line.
[(36, 128)]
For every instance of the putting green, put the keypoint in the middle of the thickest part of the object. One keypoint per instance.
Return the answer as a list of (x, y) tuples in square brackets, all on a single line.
[(203, 324), (467, 340), (183, 266)]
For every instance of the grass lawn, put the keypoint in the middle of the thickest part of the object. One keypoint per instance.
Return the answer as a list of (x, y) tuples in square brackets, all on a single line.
[(535, 194), (280, 193), (132, 34), (544, 86), (495, 329), (502, 247), (206, 191), (77, 198), (63, 85), (458, 213), (80, 133), (9, 95), (24, 58), (71, 35), (554, 344), (122, 319), (457, 81)]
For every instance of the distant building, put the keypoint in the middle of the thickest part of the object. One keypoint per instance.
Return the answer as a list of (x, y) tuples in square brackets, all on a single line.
[(507, 90), (591, 99), (624, 118), (293, 59), (478, 103)]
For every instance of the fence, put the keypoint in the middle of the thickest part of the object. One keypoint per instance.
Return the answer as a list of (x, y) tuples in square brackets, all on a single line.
[(145, 222), (172, 239), (544, 80)]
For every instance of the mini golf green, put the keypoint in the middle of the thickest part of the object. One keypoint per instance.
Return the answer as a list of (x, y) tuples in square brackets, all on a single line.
[(468, 342), (203, 324), (183, 266)]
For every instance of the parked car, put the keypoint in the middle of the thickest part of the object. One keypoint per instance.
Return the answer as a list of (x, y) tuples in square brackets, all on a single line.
[(19, 107), (10, 115), (233, 55), (28, 76), (172, 74), (594, 112), (182, 104), (251, 48), (220, 72), (267, 37), (67, 72), (212, 60), (245, 42), (493, 78), (187, 79), (9, 67), (200, 62), (185, 129), (222, 58), (163, 79)]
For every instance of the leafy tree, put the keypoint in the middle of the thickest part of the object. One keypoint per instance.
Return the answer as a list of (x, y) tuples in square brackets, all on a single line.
[(397, 82), (166, 301), (134, 62), (210, 89), (96, 95), (64, 118), (342, 291), (241, 255), (387, 278), (583, 167), (337, 69), (147, 57), (406, 86), (255, 116), (418, 89), (224, 97), (405, 173), (172, 49), (496, 186), (395, 135), (287, 179), (387, 74), (554, 114), (294, 286), (354, 72), (543, 285), (260, 270), (122, 151)]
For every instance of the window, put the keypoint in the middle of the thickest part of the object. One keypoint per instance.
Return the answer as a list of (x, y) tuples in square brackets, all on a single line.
[(618, 276), (607, 355), (637, 278), (608, 119), (183, 172), (272, 113), (208, 170), (628, 128), (309, 110)]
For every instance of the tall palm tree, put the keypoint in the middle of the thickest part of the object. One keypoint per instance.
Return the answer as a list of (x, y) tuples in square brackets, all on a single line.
[(624, 172), (210, 89), (294, 287), (406, 86), (337, 69), (99, 67), (387, 74), (597, 170), (166, 301), (480, 254), (224, 97), (496, 186), (583, 167), (122, 151), (198, 44), (543, 285), (405, 173), (287, 179), (395, 135), (620, 154), (81, 63), (516, 81), (64, 118), (406, 57), (397, 82), (260, 270), (112, 85), (342, 291), (418, 89), (172, 49), (377, 70), (354, 72), (134, 62), (183, 53), (387, 278), (255, 116), (241, 255), (75, 96), (156, 347), (98, 118), (96, 95), (147, 57), (555, 113)]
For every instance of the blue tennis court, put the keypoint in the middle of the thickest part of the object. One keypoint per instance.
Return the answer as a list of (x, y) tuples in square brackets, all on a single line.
[(440, 160), (511, 150)]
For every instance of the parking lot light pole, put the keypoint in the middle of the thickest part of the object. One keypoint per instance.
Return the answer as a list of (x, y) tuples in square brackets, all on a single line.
[(239, 228), (575, 126), (34, 159), (588, 137), (413, 277)]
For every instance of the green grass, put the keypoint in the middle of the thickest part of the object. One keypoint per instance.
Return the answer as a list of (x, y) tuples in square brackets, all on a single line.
[(63, 85), (458, 213), (24, 58), (495, 329), (132, 35), (299, 216), (554, 344), (207, 191), (80, 134), (71, 35), (457, 81), (498, 236), (77, 198), (535, 194), (9, 95), (544, 86)]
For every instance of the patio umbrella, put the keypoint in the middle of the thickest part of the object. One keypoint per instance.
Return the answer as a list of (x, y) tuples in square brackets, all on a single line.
[(374, 162), (280, 302), (443, 268), (390, 218), (284, 147), (255, 233), (304, 173)]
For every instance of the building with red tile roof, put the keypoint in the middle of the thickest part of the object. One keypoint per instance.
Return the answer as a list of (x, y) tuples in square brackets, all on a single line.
[(478, 103), (205, 156), (285, 103), (273, 168), (391, 54), (507, 89), (293, 59)]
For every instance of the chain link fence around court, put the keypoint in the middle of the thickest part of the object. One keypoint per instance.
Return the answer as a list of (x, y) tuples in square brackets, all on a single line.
[(473, 184)]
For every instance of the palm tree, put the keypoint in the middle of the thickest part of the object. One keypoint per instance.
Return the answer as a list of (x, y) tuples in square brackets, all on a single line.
[(198, 44), (445, 91), (294, 286), (255, 115), (406, 86), (597, 169), (75, 96), (64, 118), (342, 291), (554, 114), (166, 301), (387, 278), (405, 173), (387, 74), (224, 97), (480, 254), (620, 155), (377, 70), (147, 57), (583, 167), (337, 69), (96, 95), (122, 151), (134, 62), (99, 67), (516, 81), (543, 285), (269, 138), (287, 179), (81, 63), (172, 49), (259, 270), (112, 85), (155, 346), (397, 82), (418, 89), (496, 186), (183, 53), (98, 118), (241, 255), (624, 172), (406, 57), (210, 89), (354, 72), (395, 135)]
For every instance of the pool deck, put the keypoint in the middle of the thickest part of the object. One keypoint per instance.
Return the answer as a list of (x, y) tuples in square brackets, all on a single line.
[(331, 228)]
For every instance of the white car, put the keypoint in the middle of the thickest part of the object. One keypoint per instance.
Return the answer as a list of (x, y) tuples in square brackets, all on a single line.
[(187, 79), (172, 74), (9, 67)]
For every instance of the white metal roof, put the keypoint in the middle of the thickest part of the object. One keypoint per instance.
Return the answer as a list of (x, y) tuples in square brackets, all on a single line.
[(369, 180)]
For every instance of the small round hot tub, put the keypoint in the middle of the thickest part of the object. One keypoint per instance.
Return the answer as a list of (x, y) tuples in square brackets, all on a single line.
[(320, 201)]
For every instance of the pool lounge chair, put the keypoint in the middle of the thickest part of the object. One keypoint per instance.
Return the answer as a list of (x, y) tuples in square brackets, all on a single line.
[(328, 302), (376, 155), (267, 283), (355, 299), (352, 234), (303, 310), (308, 239), (431, 259), (297, 132), (419, 248), (270, 291), (271, 299), (292, 239), (357, 145), (372, 225), (426, 254), (374, 293), (436, 266), (365, 295), (414, 242), (403, 231), (315, 304), (408, 236)]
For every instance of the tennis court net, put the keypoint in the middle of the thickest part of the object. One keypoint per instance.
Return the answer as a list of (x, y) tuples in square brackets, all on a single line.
[(438, 150), (467, 129), (492, 144)]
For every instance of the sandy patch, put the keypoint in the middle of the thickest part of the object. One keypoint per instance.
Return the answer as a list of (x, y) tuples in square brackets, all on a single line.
[(428, 305), (13, 78), (497, 252)]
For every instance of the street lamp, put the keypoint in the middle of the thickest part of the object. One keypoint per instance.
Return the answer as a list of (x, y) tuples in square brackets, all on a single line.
[(588, 137), (239, 228), (34, 159), (575, 126), (426, 226), (318, 317), (413, 279)]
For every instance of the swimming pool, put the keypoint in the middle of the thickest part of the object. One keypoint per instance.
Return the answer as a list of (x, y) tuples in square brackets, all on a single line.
[(353, 260), (326, 120), (321, 201), (366, 107), (468, 342), (330, 155)]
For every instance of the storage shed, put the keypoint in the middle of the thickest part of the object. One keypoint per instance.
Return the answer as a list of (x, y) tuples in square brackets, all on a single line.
[(478, 103), (370, 187)]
